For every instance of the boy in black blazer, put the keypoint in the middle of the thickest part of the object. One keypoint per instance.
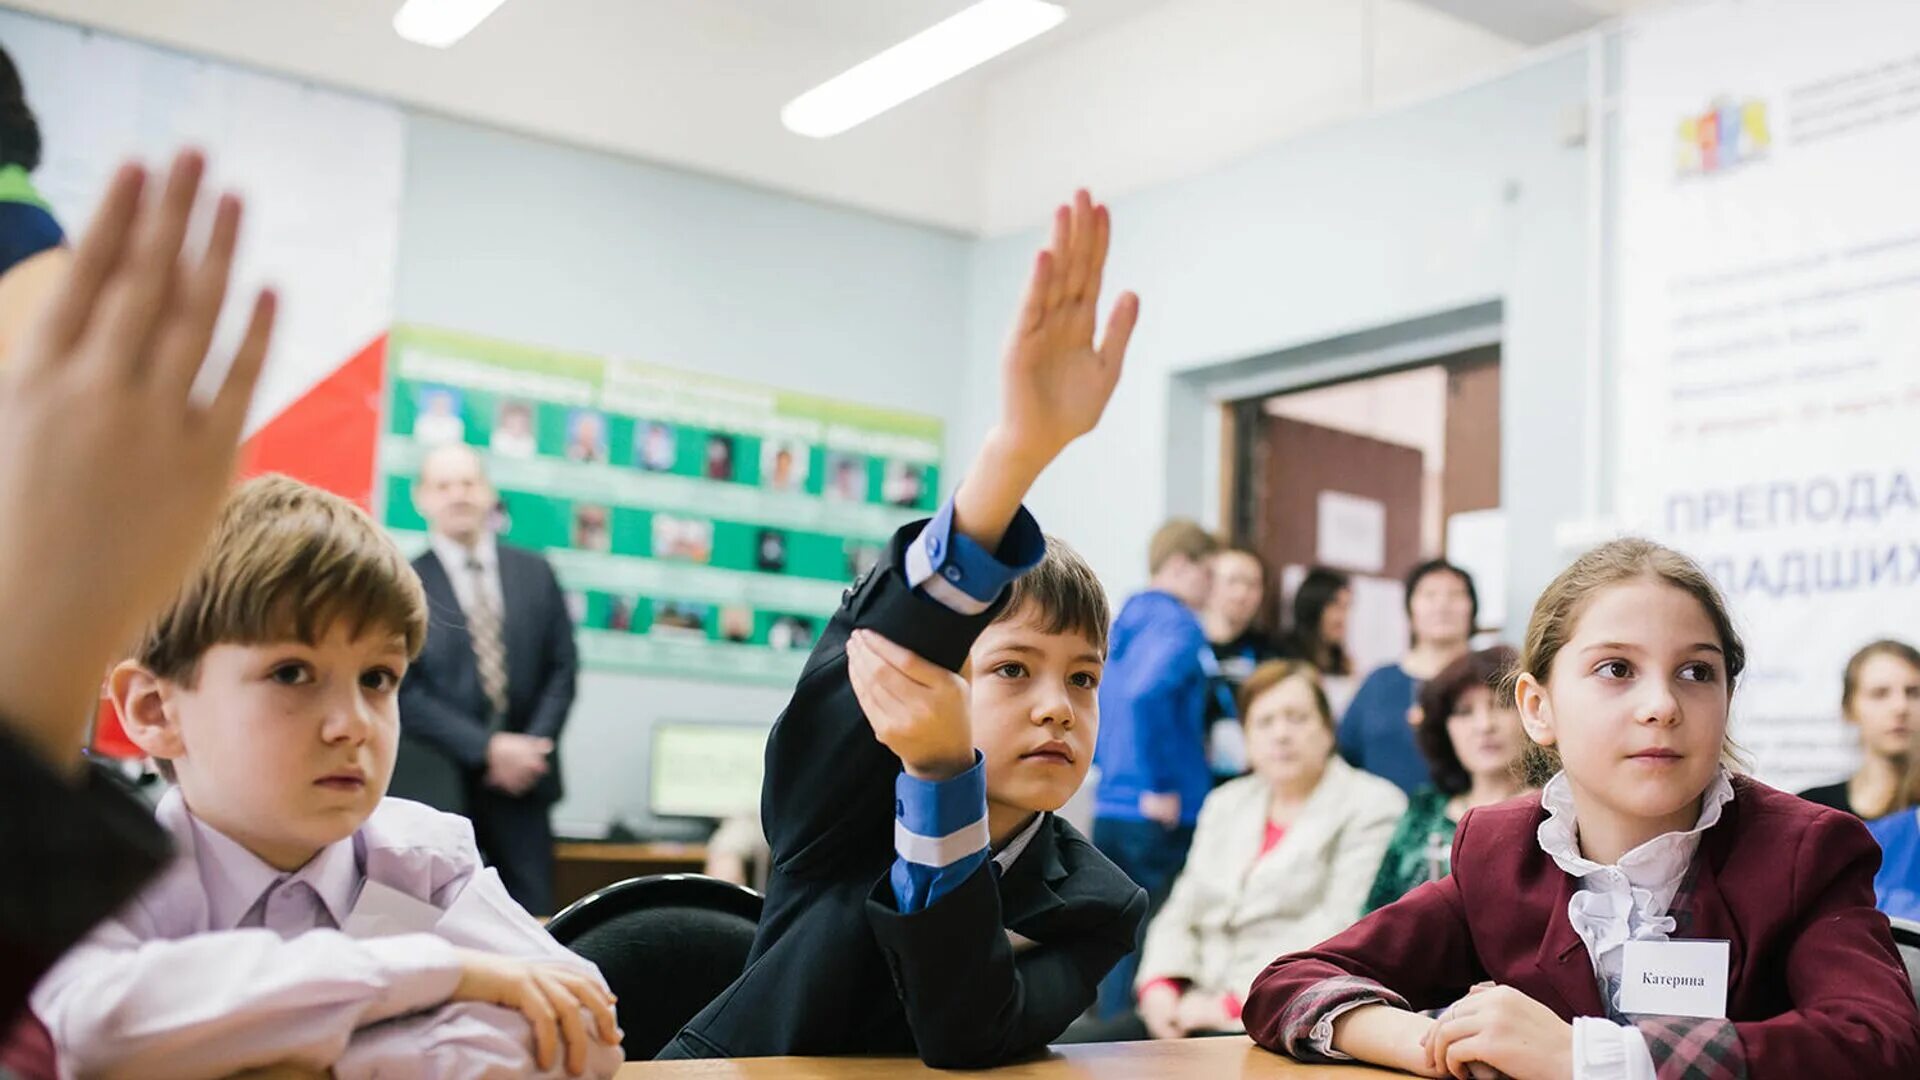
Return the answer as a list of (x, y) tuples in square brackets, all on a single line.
[(923, 899)]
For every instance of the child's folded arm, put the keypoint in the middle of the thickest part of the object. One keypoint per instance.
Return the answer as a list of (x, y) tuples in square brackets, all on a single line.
[(970, 1000), (827, 778), (462, 1041), (215, 1003)]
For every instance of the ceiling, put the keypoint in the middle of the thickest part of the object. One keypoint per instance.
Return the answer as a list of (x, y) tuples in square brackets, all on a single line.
[(699, 83)]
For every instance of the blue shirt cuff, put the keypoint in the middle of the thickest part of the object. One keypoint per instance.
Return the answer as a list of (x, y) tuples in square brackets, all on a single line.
[(940, 835), (962, 575)]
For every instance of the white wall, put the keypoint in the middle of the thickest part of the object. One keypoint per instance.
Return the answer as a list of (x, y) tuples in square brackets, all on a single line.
[(1454, 202)]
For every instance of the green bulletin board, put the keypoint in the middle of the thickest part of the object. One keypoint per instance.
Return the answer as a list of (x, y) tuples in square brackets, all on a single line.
[(702, 528)]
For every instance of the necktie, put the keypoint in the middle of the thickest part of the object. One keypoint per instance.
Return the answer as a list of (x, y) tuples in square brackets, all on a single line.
[(489, 652)]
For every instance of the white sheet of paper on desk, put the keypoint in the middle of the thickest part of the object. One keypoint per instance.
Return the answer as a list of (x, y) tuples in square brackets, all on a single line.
[(384, 911)]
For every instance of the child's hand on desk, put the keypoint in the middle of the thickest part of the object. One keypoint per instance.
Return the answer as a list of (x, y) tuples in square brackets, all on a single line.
[(111, 471), (1201, 1011), (917, 708), (549, 995), (1499, 1031)]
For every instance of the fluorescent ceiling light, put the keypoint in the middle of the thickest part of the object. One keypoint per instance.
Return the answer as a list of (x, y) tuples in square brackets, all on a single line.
[(440, 23), (918, 64)]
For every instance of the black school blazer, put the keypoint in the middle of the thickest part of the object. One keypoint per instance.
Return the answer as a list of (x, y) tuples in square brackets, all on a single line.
[(835, 969)]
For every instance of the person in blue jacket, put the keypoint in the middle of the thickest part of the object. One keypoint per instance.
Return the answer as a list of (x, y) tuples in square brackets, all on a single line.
[(1152, 753)]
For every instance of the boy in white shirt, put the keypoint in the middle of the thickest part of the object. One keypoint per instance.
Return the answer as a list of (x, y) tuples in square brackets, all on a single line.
[(307, 920)]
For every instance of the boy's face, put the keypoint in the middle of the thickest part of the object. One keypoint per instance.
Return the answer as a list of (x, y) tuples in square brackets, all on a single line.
[(1035, 711), (286, 748)]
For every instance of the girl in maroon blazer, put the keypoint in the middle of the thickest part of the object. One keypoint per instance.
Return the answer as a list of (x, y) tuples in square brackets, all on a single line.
[(1568, 941)]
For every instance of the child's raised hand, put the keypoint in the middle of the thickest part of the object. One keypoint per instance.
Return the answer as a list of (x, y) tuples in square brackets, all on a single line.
[(111, 472), (1499, 1031), (1055, 380), (549, 995), (917, 708)]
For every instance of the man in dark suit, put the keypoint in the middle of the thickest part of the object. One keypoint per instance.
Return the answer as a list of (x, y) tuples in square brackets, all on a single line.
[(482, 709)]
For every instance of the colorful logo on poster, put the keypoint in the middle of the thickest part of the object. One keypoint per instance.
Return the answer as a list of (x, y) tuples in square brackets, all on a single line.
[(1726, 136)]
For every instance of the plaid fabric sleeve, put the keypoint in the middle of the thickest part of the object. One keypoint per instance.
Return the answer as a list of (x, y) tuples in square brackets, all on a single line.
[(1690, 1048), (1307, 1024)]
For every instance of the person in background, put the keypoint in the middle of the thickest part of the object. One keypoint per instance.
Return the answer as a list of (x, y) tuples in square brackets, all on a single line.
[(489, 696), (1319, 633), (1281, 860), (1474, 744), (1880, 695), (96, 429), (33, 248), (1376, 734), (737, 851), (1152, 753), (1231, 619), (1896, 887)]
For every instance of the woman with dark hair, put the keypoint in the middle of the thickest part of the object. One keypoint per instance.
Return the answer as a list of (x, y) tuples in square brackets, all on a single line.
[(1471, 735), (1376, 734), (1319, 633), (33, 252), (1880, 696)]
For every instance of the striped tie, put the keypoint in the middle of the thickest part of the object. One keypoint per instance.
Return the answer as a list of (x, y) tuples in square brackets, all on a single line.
[(489, 652)]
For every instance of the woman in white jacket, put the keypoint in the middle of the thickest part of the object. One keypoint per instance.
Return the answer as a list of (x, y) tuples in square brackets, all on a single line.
[(1282, 859)]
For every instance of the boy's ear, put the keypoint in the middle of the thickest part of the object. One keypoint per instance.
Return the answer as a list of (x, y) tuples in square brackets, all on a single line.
[(144, 702), (1536, 711)]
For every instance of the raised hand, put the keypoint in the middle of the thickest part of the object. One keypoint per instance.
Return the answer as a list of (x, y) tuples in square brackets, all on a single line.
[(111, 471), (917, 708), (1056, 381)]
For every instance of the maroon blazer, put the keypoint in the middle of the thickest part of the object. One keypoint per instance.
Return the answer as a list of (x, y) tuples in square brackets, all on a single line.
[(1817, 987)]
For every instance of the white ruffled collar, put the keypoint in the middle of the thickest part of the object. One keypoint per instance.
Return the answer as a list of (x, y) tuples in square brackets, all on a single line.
[(1649, 865), (1628, 900)]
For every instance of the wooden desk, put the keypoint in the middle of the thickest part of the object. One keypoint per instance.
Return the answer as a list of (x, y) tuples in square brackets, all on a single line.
[(1223, 1058), (580, 867)]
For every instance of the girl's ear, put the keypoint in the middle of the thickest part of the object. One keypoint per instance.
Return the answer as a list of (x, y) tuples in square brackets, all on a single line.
[(1536, 710)]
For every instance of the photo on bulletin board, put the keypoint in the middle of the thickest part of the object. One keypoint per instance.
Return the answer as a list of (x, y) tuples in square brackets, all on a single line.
[(655, 447), (721, 543), (783, 464), (846, 478), (587, 437), (513, 433), (437, 417)]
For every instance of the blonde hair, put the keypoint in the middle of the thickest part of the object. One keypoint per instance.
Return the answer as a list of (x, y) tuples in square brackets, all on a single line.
[(1179, 537), (1274, 672), (1561, 604), (286, 562)]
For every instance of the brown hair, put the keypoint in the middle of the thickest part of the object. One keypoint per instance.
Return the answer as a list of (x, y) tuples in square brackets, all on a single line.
[(286, 561), (1559, 608), (1062, 595), (1272, 674), (1442, 694), (1908, 791), (1179, 537)]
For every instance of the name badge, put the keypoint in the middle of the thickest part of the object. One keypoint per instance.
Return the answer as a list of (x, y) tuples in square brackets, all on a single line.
[(1674, 978), (384, 911)]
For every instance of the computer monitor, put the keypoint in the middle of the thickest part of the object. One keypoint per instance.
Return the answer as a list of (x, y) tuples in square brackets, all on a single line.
[(709, 770)]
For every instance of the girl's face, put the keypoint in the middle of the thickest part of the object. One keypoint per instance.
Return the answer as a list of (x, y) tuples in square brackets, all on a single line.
[(1440, 609), (1238, 588), (1288, 741), (1636, 702), (1886, 699), (1487, 739)]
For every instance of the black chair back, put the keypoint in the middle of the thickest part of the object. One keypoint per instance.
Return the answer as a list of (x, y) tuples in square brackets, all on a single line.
[(667, 945), (1906, 934)]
